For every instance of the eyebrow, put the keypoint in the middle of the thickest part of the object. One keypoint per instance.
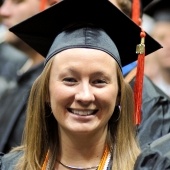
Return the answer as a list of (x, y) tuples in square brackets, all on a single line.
[(70, 70), (98, 73)]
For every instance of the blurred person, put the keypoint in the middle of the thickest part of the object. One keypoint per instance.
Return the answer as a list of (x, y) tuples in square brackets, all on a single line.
[(158, 65), (147, 23), (156, 102), (73, 106), (155, 108), (14, 100), (11, 61), (156, 156), (155, 146), (3, 30)]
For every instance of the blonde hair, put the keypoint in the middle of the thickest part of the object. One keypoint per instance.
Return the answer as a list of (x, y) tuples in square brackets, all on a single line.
[(39, 135), (126, 147)]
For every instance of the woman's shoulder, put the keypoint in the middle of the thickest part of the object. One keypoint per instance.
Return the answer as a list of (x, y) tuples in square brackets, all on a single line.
[(8, 161)]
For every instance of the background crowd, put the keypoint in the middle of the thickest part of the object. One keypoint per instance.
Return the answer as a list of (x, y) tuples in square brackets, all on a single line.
[(20, 66)]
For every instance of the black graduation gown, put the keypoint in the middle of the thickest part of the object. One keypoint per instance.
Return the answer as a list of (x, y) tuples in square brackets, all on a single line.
[(152, 160), (148, 160), (13, 107), (162, 145), (156, 156), (11, 60), (155, 114)]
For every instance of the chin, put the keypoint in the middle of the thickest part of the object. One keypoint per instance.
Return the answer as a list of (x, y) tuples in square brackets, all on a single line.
[(83, 129), (11, 39)]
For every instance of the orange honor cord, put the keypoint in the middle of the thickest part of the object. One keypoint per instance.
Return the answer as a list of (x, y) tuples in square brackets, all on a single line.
[(105, 159), (102, 166), (45, 161)]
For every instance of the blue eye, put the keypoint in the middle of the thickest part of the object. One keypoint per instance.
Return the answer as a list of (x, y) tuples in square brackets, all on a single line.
[(99, 82), (18, 1), (69, 81)]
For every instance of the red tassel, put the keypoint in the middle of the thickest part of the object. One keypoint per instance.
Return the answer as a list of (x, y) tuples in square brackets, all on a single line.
[(136, 12), (43, 4), (138, 87)]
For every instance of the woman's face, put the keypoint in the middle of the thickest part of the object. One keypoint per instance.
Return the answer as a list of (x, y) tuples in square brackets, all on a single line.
[(83, 89)]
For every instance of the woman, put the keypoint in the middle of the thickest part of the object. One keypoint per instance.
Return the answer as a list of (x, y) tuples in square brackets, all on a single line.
[(80, 110)]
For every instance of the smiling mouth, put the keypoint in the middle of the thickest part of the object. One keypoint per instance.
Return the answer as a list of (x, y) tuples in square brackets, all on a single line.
[(82, 112)]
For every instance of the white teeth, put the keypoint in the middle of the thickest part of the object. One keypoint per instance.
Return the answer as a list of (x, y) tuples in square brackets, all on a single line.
[(82, 113)]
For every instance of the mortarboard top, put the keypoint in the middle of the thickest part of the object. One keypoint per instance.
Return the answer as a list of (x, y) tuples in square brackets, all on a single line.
[(40, 30), (159, 10), (1, 1)]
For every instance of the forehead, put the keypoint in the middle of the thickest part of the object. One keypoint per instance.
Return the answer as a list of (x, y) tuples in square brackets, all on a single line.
[(84, 57)]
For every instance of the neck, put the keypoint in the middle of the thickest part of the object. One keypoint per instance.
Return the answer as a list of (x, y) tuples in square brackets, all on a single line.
[(165, 74), (88, 152), (102, 165)]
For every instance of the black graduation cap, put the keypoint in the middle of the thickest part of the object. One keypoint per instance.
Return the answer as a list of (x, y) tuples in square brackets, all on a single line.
[(40, 30), (159, 10), (1, 2)]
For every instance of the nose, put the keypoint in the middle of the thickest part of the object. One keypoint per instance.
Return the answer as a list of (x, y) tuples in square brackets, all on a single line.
[(5, 9), (85, 94)]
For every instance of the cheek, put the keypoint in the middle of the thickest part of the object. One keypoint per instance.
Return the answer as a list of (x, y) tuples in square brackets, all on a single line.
[(111, 101), (107, 104), (56, 93), (108, 98), (60, 94), (57, 101)]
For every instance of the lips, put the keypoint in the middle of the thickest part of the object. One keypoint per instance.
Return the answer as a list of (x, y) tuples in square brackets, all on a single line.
[(82, 112)]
